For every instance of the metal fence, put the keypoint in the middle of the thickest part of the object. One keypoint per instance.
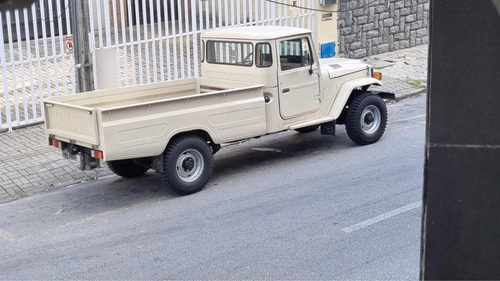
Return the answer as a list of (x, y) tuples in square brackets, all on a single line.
[(153, 40)]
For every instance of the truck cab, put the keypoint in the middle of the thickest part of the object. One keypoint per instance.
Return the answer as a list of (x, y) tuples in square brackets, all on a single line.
[(299, 88)]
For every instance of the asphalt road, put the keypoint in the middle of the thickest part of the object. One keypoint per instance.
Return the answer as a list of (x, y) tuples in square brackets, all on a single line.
[(286, 206)]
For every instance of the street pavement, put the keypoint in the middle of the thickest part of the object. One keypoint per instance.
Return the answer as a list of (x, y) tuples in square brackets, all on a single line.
[(285, 206), (29, 166)]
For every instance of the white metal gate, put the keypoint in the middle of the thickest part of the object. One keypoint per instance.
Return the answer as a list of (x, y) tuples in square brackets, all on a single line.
[(155, 40)]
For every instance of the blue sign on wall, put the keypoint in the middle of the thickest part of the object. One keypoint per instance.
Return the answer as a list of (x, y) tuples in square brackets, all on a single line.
[(328, 50)]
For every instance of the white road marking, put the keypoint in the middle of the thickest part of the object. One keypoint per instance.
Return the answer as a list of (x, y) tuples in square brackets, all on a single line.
[(407, 118), (4, 234), (382, 217)]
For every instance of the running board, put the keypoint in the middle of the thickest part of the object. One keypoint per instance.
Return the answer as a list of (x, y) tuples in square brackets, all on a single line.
[(311, 123)]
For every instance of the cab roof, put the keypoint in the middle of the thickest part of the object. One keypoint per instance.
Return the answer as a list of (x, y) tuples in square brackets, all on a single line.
[(255, 32)]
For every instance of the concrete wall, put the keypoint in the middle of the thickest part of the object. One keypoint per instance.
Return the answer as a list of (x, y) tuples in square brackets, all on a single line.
[(382, 26)]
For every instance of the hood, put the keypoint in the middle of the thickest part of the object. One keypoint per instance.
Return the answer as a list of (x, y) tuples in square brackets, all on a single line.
[(339, 67)]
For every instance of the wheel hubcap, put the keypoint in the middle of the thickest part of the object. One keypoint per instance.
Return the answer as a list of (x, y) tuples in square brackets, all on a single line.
[(189, 165), (370, 119)]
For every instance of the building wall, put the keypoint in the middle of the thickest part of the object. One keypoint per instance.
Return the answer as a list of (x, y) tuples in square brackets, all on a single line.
[(326, 24), (382, 26)]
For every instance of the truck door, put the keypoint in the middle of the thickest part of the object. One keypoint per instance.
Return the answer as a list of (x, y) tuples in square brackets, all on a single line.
[(298, 89)]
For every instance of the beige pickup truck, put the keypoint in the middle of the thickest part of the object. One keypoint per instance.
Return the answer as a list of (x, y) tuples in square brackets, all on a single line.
[(255, 81)]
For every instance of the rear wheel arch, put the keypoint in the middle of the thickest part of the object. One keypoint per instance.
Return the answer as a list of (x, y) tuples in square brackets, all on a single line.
[(200, 133)]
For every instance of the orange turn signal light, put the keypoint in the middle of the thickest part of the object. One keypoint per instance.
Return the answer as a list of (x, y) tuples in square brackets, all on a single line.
[(97, 154), (377, 75)]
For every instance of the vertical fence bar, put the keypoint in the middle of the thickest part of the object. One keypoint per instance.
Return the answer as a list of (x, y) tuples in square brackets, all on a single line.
[(39, 65), (124, 43), (244, 11), (30, 64), (263, 18), (139, 46), (167, 35), (315, 20), (220, 14), (238, 12), (132, 46), (21, 64), (14, 78), (188, 35), (280, 9), (99, 23), (214, 20), (160, 36), (154, 39), (107, 22), (250, 12), (174, 39), (181, 39), (116, 43), (146, 39), (232, 10), (195, 37), (3, 62), (207, 15), (226, 13), (268, 9), (226, 23)]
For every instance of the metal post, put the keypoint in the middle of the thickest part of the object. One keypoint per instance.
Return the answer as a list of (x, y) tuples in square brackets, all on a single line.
[(83, 58)]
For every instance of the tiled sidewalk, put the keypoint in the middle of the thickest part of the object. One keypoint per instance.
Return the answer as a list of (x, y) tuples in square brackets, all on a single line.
[(28, 165)]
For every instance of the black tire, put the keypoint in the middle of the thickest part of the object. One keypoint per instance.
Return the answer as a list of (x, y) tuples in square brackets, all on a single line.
[(307, 129), (187, 164), (126, 168), (366, 119)]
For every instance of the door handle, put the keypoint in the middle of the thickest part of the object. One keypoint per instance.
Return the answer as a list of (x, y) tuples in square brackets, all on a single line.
[(286, 90)]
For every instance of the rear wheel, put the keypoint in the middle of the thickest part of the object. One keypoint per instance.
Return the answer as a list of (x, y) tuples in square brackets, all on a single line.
[(307, 129), (366, 119), (126, 168), (188, 164)]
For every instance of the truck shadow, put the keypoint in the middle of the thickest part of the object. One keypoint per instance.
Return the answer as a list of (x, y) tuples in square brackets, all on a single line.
[(114, 192), (274, 149)]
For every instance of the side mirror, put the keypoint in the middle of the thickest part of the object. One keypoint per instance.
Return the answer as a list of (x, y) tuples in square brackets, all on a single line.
[(308, 59)]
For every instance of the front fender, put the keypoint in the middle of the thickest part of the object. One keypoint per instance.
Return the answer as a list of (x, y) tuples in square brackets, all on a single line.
[(345, 92)]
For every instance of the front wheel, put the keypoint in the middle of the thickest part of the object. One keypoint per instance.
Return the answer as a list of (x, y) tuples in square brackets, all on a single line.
[(187, 164), (366, 119)]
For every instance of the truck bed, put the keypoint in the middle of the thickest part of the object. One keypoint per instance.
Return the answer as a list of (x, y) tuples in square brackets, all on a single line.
[(105, 99), (137, 121)]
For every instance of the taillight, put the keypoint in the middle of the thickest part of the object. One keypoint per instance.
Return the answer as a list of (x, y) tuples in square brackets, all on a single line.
[(56, 143), (97, 154)]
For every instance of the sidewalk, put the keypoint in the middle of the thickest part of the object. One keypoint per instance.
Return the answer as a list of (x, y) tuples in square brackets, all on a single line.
[(28, 165)]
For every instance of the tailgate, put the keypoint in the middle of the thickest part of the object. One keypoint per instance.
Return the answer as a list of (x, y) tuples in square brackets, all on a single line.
[(76, 123)]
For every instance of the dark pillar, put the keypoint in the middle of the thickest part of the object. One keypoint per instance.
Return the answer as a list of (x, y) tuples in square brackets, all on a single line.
[(461, 219)]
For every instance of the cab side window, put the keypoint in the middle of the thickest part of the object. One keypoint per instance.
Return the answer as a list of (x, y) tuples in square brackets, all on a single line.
[(295, 53), (263, 56)]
